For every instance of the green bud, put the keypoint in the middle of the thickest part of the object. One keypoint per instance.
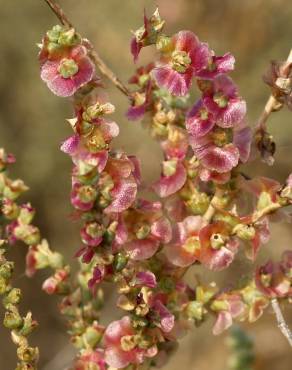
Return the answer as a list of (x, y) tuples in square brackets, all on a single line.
[(164, 44), (12, 318), (218, 305), (28, 325), (264, 201), (28, 354), (68, 68), (26, 215), (169, 167), (245, 232), (120, 262), (3, 285), (29, 234), (13, 297), (92, 336), (143, 231), (10, 210), (54, 33), (167, 284), (69, 38), (221, 100), (6, 270)]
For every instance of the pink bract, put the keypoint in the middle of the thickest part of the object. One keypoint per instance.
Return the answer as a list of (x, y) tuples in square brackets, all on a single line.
[(217, 258), (227, 108), (183, 251), (179, 83), (115, 356), (168, 185), (65, 87)]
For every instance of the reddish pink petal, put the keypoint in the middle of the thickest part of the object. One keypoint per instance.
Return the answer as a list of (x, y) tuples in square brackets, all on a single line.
[(109, 129), (220, 178), (146, 278), (135, 48), (70, 145), (141, 249), (85, 74), (166, 317), (116, 358), (221, 159), (185, 41), (137, 112), (178, 256), (217, 260), (200, 57), (148, 206), (117, 329), (49, 70), (161, 229), (197, 126), (176, 83), (168, 185), (124, 194), (242, 140), (137, 168), (223, 322), (63, 87), (233, 114)]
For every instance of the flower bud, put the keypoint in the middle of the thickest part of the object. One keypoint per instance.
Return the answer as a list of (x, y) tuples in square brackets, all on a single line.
[(6, 270), (28, 325), (28, 354), (120, 262), (195, 310), (245, 232), (12, 318), (26, 214), (164, 44), (169, 167), (10, 209), (29, 234), (14, 189), (13, 297)]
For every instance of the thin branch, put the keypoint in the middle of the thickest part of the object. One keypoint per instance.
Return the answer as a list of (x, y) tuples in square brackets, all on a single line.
[(282, 325), (212, 209), (104, 69), (59, 13)]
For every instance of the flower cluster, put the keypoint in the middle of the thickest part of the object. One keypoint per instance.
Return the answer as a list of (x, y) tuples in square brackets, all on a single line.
[(144, 246)]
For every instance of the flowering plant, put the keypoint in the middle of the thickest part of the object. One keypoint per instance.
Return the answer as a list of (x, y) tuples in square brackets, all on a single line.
[(192, 215)]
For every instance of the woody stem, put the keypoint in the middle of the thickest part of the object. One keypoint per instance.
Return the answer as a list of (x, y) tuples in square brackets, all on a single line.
[(282, 325), (104, 69)]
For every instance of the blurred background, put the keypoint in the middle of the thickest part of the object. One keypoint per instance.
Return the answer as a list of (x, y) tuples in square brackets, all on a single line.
[(32, 125)]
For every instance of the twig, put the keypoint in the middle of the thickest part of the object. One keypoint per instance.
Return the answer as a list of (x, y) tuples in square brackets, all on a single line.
[(59, 13), (211, 209), (104, 69), (282, 325)]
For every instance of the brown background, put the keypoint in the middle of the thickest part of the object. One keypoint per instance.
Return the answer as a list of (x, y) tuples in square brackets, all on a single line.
[(32, 125)]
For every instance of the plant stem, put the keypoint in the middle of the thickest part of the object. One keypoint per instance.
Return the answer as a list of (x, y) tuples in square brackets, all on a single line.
[(282, 325), (211, 209), (104, 69), (59, 13)]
